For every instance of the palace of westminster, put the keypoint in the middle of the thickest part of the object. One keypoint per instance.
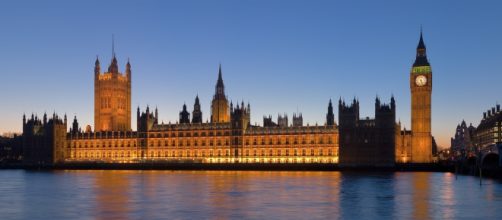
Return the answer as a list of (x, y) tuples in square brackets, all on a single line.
[(229, 137)]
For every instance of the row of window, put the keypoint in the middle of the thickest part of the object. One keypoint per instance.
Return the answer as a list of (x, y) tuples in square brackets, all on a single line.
[(204, 153), (190, 142), (187, 134)]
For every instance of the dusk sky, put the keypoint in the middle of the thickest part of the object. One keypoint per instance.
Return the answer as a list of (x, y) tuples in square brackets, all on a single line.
[(281, 56)]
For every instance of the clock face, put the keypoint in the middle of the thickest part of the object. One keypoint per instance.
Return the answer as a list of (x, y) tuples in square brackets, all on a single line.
[(421, 80)]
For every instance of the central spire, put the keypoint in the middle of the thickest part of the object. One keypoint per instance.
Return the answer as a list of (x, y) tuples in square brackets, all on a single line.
[(220, 78), (220, 87)]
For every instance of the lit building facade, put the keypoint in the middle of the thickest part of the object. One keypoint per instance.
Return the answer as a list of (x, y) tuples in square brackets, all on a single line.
[(229, 138), (421, 93)]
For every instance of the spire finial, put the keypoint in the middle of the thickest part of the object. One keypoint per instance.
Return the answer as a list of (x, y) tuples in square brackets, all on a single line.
[(113, 45), (219, 71)]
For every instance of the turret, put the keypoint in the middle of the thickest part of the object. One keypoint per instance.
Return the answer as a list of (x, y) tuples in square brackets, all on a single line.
[(97, 68), (184, 115), (156, 115), (393, 103), (74, 127), (146, 120), (45, 118), (137, 119), (128, 70), (330, 116), (196, 113), (240, 117), (114, 67)]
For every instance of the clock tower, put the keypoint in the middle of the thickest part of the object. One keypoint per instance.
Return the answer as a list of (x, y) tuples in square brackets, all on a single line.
[(421, 90)]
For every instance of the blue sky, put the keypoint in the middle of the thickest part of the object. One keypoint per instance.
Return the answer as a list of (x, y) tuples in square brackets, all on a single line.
[(281, 56)]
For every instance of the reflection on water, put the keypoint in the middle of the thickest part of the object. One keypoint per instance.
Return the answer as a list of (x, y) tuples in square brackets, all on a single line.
[(244, 195)]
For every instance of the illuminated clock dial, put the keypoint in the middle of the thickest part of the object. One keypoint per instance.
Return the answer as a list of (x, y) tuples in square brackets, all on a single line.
[(421, 80)]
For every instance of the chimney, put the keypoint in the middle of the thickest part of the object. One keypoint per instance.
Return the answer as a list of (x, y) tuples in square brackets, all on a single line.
[(493, 111), (498, 108), (484, 115)]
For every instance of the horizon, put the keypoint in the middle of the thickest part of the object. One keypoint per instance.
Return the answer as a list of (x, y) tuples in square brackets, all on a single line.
[(305, 60)]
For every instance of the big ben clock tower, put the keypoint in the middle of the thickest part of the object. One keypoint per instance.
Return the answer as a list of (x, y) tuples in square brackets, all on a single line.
[(421, 90)]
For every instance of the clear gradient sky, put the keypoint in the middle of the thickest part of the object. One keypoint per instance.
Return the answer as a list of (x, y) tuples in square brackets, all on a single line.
[(281, 56)]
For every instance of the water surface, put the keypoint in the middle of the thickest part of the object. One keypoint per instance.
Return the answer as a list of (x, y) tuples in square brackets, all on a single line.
[(245, 195)]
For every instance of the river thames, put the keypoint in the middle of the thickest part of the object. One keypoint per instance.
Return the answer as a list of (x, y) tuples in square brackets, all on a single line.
[(245, 195)]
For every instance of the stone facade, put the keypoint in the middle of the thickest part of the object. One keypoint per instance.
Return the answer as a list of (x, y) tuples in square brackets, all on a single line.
[(112, 98), (367, 142), (421, 92)]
